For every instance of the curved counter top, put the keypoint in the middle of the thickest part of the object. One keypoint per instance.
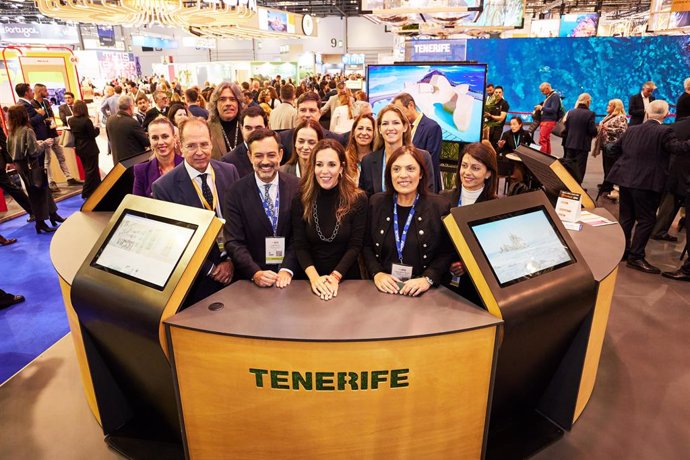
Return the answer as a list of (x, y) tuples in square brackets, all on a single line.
[(602, 247)]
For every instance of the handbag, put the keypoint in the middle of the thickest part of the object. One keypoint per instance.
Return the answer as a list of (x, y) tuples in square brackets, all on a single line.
[(67, 138), (559, 129), (38, 176)]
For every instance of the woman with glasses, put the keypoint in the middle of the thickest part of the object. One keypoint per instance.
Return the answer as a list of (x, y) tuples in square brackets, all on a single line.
[(328, 218)]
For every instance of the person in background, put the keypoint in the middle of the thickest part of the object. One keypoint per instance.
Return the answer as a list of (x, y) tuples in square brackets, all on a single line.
[(142, 102), (161, 101), (65, 110), (193, 103), (283, 116), (166, 156), (393, 132), (514, 137), (683, 102), (426, 134), (328, 219), (611, 128), (85, 146), (406, 249), (496, 117), (6, 184), (258, 217), (252, 118), (7, 299), (224, 110), (27, 155), (126, 137), (343, 114), (361, 143), (109, 104), (177, 113), (638, 105), (361, 104), (549, 111), (274, 101), (265, 101), (580, 130), (307, 134)]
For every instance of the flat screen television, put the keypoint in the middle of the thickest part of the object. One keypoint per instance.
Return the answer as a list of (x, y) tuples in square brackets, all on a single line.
[(521, 245), (144, 248), (452, 94), (579, 25)]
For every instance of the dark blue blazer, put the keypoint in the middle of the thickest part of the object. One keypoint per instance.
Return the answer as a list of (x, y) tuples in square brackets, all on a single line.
[(247, 226), (372, 168), (37, 121), (146, 173), (238, 157), (429, 136)]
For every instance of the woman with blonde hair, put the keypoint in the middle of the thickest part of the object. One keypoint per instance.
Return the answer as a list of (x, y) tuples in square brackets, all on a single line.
[(328, 220), (611, 128), (265, 101), (344, 114)]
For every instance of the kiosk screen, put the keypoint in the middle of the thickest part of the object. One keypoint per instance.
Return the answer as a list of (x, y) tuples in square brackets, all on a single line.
[(521, 245), (144, 248)]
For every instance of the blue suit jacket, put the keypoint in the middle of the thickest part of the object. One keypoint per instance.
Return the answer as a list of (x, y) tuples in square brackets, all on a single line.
[(247, 226), (37, 121), (429, 136)]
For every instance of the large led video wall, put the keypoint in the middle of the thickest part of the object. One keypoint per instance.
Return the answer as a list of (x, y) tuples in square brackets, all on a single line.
[(605, 67)]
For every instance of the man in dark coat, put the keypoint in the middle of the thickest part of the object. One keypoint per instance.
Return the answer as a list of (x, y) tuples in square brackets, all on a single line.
[(640, 172), (580, 130), (126, 136), (638, 105)]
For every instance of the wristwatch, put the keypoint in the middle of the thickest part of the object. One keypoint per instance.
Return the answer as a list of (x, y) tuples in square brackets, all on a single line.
[(429, 280)]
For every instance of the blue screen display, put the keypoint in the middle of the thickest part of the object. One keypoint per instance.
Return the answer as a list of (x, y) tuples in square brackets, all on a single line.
[(452, 95), (605, 67)]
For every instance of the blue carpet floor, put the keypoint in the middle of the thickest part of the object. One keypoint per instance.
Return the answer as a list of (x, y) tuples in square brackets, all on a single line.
[(29, 328)]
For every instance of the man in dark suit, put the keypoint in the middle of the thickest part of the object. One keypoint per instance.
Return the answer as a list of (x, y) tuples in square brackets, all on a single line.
[(581, 129), (638, 105), (426, 133), (640, 172), (161, 101), (373, 166), (308, 108), (251, 119), (65, 110), (258, 216), (201, 183), (126, 137), (26, 96)]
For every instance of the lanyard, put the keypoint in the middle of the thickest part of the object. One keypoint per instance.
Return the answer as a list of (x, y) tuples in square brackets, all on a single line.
[(516, 140), (213, 191), (460, 198), (383, 172), (272, 215), (400, 239)]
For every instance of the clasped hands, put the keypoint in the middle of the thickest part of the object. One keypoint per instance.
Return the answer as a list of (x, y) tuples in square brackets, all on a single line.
[(222, 272), (268, 278), (389, 284)]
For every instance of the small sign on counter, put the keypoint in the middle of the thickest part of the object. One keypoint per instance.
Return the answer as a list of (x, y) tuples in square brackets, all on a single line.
[(568, 206)]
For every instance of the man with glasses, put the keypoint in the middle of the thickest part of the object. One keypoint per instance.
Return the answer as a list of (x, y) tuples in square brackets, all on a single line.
[(251, 119), (201, 182), (162, 102), (224, 109)]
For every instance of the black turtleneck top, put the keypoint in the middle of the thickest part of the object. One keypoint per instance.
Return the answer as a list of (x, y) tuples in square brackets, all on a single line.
[(231, 130)]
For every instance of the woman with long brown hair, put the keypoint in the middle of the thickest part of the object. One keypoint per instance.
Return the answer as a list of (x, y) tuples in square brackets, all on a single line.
[(304, 138), (361, 142), (28, 156), (344, 114), (328, 219)]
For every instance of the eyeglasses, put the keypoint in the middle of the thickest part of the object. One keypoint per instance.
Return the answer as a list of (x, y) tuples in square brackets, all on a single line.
[(195, 147)]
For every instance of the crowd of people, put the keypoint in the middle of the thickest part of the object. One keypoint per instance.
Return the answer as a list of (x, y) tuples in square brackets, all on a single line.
[(357, 197)]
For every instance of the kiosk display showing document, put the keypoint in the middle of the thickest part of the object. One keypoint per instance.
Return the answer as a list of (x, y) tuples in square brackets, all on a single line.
[(521, 245), (144, 248)]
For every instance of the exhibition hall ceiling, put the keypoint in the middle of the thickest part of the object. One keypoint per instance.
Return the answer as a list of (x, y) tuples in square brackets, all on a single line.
[(13, 11)]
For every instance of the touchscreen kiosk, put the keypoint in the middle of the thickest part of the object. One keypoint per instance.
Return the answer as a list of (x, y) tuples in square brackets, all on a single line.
[(552, 175), (115, 185), (136, 275), (528, 271)]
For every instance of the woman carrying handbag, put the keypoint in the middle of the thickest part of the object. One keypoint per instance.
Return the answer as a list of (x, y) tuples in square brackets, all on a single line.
[(28, 155)]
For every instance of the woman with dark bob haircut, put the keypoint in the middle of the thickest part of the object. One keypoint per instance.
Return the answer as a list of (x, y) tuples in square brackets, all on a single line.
[(406, 249)]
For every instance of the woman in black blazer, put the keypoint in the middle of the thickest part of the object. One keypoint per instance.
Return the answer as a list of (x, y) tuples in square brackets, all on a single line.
[(85, 146), (414, 261)]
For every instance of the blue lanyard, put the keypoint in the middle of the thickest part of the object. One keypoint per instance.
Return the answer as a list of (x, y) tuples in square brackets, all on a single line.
[(460, 198), (272, 216), (400, 239)]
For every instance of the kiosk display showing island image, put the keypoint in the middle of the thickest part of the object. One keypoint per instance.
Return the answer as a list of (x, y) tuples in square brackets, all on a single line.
[(450, 93)]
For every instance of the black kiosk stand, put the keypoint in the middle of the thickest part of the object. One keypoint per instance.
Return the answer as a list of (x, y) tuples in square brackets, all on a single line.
[(118, 183), (138, 274), (529, 272)]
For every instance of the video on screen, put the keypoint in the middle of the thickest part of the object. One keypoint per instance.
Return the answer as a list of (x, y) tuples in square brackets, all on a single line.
[(522, 246), (144, 248), (450, 94)]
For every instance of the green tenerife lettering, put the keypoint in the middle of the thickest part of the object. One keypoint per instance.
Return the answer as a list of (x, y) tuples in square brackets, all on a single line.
[(331, 381)]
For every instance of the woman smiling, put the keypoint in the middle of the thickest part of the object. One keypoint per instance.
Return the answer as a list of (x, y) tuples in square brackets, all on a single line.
[(406, 248), (328, 218), (165, 156), (361, 142), (307, 134)]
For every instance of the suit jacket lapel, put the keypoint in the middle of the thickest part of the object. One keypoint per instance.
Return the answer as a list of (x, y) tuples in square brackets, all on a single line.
[(186, 189)]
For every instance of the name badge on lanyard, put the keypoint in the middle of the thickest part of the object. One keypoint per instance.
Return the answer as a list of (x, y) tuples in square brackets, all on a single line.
[(402, 271), (275, 245)]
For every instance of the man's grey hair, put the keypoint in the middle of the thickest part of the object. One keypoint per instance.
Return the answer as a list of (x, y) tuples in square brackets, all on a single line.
[(583, 98), (213, 103), (125, 103), (658, 109), (686, 84)]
